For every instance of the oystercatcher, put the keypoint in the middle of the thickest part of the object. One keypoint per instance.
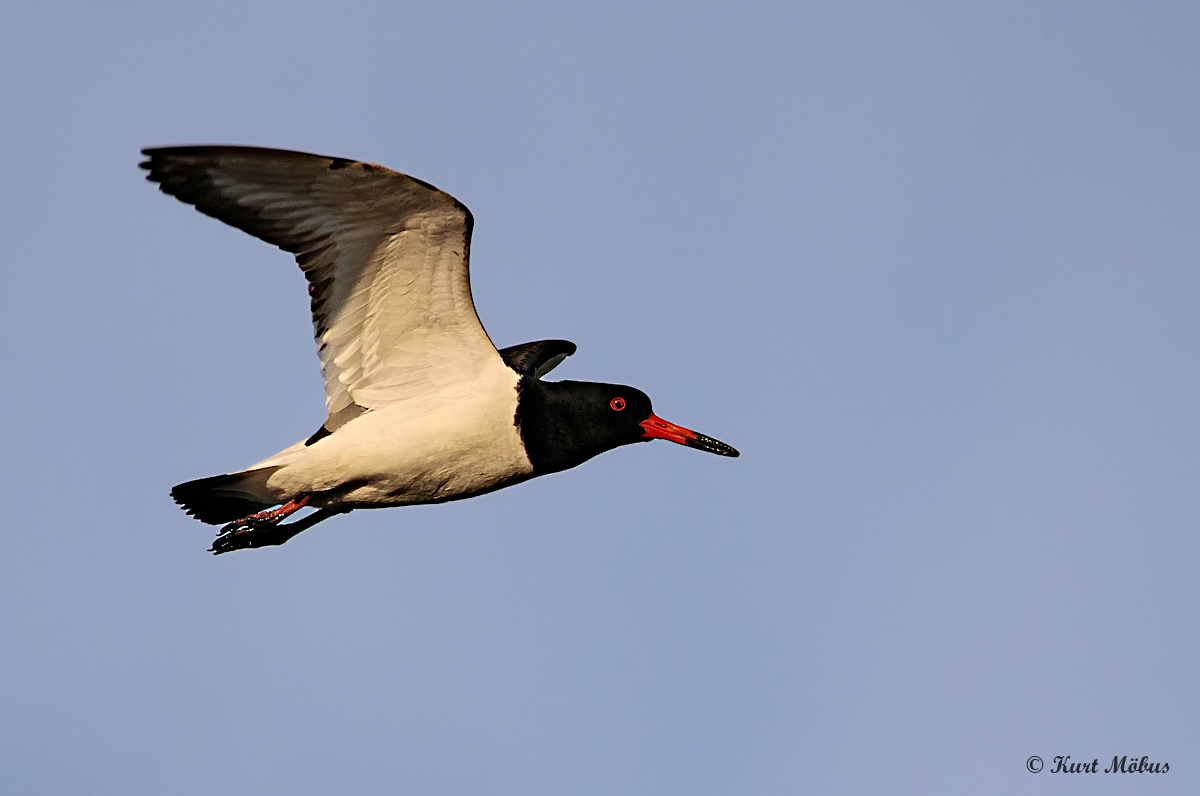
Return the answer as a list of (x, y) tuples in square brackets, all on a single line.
[(422, 407)]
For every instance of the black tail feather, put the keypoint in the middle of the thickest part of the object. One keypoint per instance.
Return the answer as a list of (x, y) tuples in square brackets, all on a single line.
[(225, 498)]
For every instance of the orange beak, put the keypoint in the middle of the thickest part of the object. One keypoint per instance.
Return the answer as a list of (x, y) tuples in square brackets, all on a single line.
[(654, 427)]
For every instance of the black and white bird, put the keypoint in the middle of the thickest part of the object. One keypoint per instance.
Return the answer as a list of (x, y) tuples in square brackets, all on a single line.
[(422, 407)]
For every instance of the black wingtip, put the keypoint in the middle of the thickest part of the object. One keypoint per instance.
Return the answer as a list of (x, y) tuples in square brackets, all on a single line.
[(537, 358)]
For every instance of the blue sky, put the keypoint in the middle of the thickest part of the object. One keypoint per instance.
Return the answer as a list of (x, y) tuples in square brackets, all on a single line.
[(930, 266)]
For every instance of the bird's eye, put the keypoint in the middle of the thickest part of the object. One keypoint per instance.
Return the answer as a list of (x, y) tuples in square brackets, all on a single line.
[(617, 404)]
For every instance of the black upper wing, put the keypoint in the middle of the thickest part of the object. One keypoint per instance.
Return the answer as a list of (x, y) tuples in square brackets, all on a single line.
[(538, 358)]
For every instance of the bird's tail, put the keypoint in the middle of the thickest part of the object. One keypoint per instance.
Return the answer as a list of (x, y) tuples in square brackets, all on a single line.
[(225, 498)]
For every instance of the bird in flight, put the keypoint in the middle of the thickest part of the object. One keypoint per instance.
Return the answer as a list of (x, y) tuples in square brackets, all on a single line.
[(422, 407)]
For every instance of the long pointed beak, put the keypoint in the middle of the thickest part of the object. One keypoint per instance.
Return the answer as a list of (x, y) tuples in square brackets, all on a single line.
[(657, 428)]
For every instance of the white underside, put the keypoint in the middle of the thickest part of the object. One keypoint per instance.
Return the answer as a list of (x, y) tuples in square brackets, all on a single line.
[(441, 445)]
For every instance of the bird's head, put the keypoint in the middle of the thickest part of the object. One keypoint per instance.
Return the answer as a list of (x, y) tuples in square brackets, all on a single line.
[(581, 419), (628, 413)]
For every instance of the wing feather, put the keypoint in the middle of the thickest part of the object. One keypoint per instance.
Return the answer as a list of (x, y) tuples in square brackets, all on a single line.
[(386, 257)]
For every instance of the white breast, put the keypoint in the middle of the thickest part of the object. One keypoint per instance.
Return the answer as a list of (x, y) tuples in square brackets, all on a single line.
[(443, 445)]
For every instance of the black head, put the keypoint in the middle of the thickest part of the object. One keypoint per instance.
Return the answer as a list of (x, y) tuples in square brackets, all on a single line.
[(565, 423)]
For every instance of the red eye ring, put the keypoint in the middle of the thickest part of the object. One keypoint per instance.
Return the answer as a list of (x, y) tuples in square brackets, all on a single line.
[(617, 404)]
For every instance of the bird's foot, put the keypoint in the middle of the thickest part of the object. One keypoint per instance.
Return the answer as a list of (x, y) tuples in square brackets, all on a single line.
[(259, 530), (247, 533)]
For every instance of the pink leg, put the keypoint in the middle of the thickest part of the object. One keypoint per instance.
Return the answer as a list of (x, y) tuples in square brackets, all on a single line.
[(263, 528), (275, 515)]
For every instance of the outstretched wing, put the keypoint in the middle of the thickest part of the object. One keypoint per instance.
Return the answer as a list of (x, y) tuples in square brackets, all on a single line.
[(385, 255)]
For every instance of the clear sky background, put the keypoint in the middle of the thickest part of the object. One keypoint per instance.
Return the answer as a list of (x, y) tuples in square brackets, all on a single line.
[(932, 268)]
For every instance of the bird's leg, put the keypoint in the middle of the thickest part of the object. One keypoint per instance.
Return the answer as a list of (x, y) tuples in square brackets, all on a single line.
[(263, 529), (273, 516), (248, 530)]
